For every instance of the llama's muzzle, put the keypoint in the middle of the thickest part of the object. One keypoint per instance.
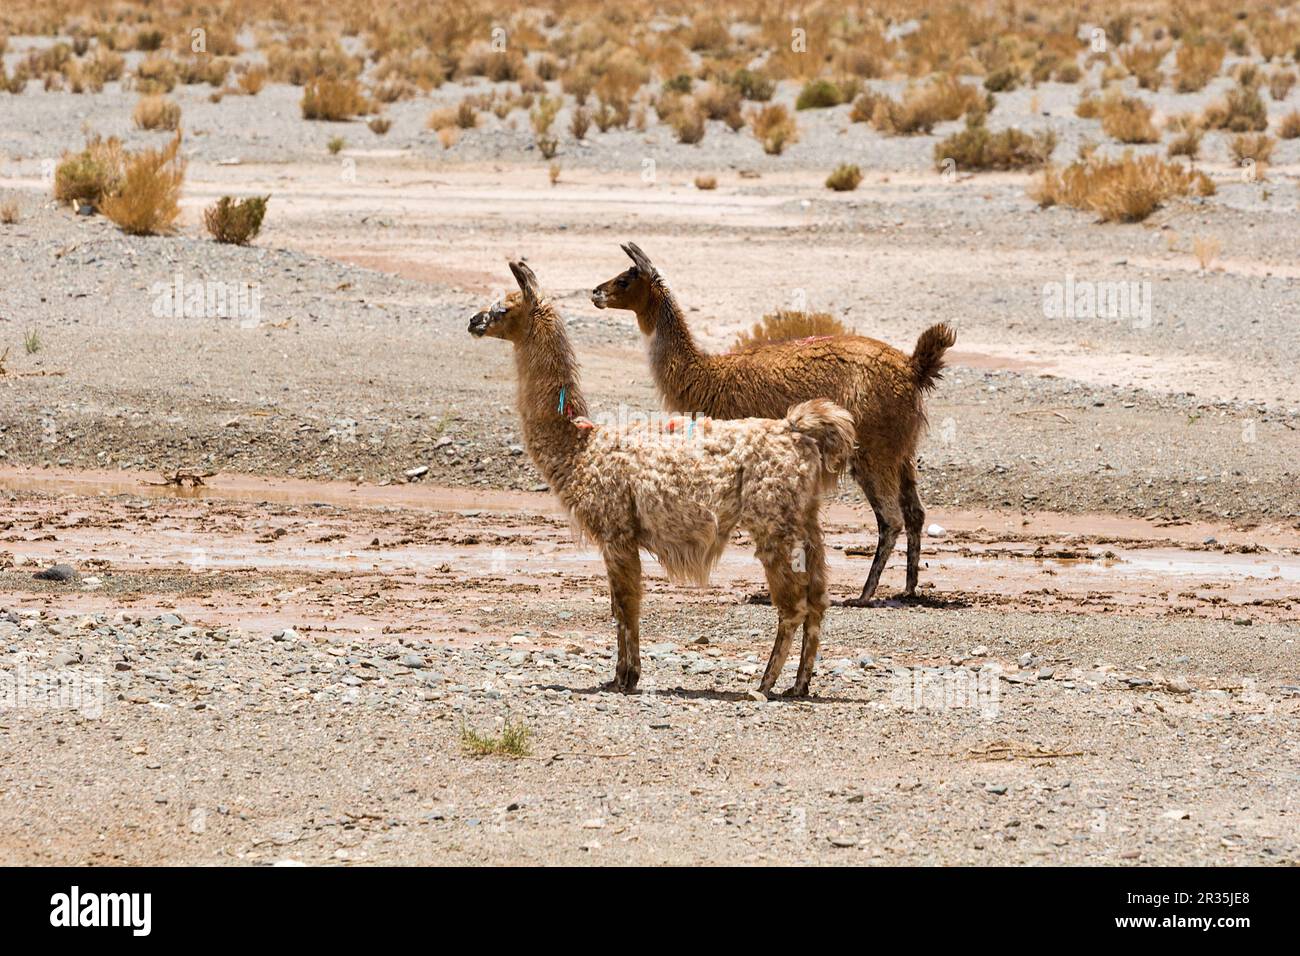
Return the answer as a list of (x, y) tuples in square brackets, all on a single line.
[(598, 298), (478, 325)]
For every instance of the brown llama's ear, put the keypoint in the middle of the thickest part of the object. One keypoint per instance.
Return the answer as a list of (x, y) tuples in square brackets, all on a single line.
[(527, 282), (638, 257)]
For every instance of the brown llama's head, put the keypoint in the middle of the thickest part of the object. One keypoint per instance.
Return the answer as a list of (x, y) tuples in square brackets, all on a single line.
[(510, 318), (632, 290)]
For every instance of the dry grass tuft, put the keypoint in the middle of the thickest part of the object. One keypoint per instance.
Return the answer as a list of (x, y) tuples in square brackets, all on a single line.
[(1197, 64), (9, 212), (90, 175), (774, 127), (235, 221), (147, 200), (787, 324), (706, 182), (1257, 147), (1128, 120), (511, 742), (1289, 128), (1241, 111), (157, 113), (845, 178), (332, 99), (976, 148), (1122, 190)]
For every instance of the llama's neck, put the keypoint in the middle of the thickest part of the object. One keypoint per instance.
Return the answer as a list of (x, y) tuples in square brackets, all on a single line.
[(549, 398), (678, 365)]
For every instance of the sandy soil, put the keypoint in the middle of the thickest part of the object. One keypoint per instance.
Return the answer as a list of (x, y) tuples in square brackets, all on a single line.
[(318, 628), (280, 665)]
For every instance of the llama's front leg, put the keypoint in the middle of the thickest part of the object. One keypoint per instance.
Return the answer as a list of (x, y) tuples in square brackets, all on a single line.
[(815, 555), (624, 568), (788, 588)]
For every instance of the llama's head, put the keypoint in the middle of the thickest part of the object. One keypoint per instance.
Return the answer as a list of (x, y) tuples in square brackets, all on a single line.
[(632, 290), (510, 318)]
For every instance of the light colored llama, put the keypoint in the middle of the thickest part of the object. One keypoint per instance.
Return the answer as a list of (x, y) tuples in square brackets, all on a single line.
[(681, 492)]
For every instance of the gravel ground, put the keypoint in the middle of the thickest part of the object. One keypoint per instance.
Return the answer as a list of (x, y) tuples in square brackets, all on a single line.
[(191, 744)]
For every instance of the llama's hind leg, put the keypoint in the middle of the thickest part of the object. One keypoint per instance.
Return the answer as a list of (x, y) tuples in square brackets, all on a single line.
[(883, 493), (817, 601), (787, 583), (623, 564), (913, 520)]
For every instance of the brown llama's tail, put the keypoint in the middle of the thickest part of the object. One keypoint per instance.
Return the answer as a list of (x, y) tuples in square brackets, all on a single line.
[(927, 359), (831, 427)]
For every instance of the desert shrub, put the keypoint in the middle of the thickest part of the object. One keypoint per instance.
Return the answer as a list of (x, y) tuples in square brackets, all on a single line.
[(976, 148), (819, 94), (1289, 128), (251, 80), (1197, 63), (448, 136), (380, 125), (149, 40), (719, 102), (335, 145), (1123, 190), (1187, 143), (9, 214), (845, 178), (681, 83), (466, 115), (155, 74), (754, 86), (1257, 147), (146, 201), (1007, 78), (706, 182), (156, 113), (1241, 111), (332, 99), (1280, 84), (1068, 72), (441, 119), (543, 115), (785, 325), (921, 107), (688, 124), (579, 122), (235, 221), (548, 146), (90, 175), (1128, 120), (774, 127), (1143, 62)]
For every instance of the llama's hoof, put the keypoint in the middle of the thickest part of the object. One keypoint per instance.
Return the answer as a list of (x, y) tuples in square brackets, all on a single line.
[(856, 602), (796, 691)]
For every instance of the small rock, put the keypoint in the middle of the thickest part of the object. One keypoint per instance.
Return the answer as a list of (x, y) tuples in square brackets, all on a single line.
[(59, 572), (936, 531)]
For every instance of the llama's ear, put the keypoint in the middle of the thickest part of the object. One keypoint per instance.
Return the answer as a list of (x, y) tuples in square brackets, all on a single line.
[(641, 260), (527, 282)]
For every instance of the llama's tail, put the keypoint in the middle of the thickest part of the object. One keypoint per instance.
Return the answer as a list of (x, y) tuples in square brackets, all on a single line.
[(927, 359), (831, 427)]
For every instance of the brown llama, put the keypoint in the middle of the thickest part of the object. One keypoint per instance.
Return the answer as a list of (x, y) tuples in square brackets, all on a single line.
[(678, 492), (880, 386)]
